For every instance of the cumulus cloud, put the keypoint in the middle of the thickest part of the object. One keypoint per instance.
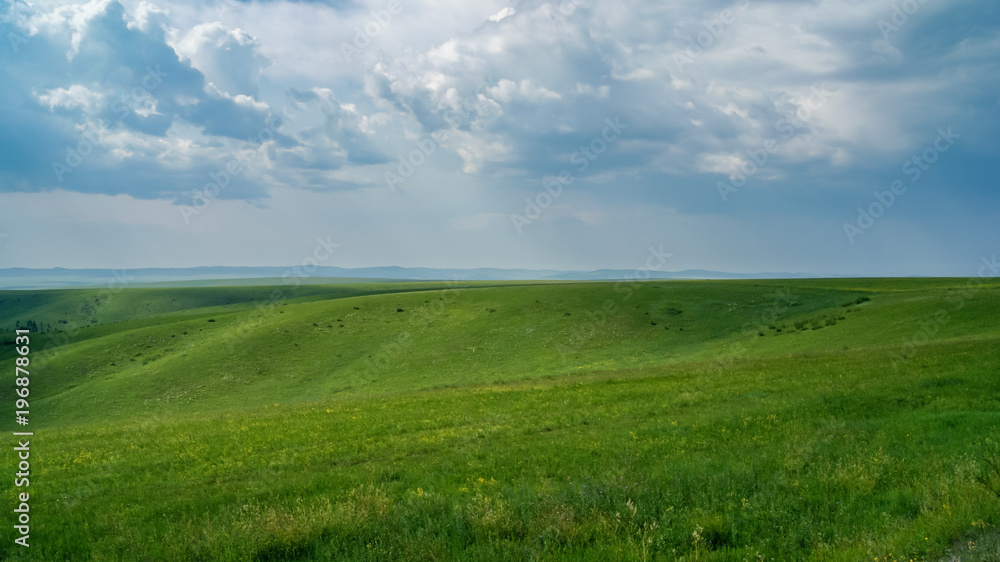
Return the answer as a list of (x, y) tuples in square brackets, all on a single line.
[(340, 137), (146, 15), (117, 97), (63, 20), (504, 13), (163, 93), (76, 96), (228, 58)]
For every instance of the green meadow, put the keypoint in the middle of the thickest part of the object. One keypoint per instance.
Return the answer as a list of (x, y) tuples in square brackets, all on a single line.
[(848, 419)]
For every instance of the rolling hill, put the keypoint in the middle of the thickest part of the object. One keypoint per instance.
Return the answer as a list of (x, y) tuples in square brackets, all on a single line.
[(812, 419)]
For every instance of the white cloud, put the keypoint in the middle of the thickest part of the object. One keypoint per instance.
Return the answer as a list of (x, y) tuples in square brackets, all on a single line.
[(64, 19), (146, 15), (502, 14), (600, 92), (513, 93), (476, 150), (228, 58), (509, 90), (637, 74), (76, 96)]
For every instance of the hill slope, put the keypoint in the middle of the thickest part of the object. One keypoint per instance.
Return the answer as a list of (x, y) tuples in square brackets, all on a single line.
[(781, 418)]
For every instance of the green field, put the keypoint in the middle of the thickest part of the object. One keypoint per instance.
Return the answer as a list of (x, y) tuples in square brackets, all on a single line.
[(663, 420)]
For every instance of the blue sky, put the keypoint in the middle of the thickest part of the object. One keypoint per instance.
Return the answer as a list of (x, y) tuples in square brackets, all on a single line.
[(739, 136)]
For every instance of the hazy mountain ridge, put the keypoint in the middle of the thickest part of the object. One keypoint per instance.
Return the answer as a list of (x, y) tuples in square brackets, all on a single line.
[(30, 278)]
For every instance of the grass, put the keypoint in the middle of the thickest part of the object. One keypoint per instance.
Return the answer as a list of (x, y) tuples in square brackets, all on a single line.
[(584, 421)]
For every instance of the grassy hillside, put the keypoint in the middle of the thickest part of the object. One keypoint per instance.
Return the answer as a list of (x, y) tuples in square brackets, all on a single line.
[(69, 309), (730, 420)]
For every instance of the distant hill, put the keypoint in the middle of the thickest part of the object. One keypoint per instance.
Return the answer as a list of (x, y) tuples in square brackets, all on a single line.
[(25, 278)]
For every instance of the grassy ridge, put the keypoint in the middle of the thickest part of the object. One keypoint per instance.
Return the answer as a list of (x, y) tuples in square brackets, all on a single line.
[(704, 420), (88, 307), (225, 357)]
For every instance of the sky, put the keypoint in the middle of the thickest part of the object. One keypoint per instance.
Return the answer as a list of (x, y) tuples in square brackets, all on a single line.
[(839, 137)]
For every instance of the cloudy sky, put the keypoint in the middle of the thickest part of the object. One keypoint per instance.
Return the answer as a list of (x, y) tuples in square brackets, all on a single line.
[(823, 136)]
